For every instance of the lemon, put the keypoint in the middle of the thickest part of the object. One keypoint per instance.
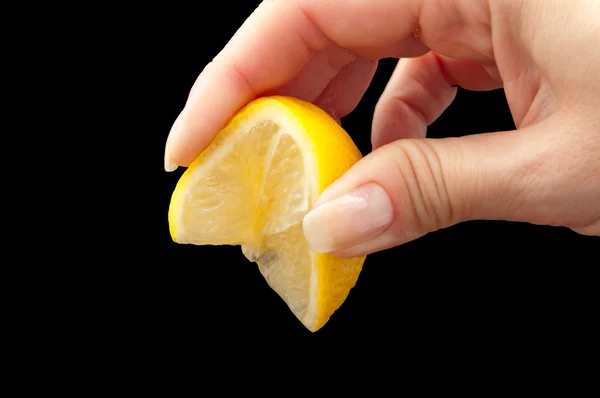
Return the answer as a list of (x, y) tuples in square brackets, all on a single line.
[(252, 187)]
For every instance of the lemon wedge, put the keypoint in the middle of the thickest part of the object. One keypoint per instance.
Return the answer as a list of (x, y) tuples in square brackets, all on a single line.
[(252, 187)]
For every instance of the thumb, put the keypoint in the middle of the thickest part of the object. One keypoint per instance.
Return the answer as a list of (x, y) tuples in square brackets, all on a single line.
[(410, 187)]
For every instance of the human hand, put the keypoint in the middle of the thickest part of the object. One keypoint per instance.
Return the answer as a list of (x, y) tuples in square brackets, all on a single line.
[(544, 53)]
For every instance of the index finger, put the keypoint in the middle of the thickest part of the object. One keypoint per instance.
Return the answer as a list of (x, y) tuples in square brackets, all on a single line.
[(273, 45)]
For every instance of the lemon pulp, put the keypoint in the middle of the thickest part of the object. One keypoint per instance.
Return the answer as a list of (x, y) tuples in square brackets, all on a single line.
[(252, 187)]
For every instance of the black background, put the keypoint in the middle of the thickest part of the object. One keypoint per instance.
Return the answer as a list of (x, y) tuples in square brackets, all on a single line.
[(478, 284)]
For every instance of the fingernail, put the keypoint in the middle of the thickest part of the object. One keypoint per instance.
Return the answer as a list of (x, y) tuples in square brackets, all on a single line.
[(349, 219), (169, 164)]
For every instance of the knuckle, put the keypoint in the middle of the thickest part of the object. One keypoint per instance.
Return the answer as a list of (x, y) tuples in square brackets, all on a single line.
[(556, 183), (420, 168)]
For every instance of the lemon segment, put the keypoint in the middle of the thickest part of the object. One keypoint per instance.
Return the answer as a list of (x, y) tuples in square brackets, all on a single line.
[(252, 187)]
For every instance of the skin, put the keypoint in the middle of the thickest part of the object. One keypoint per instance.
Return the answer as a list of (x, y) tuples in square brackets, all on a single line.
[(542, 52)]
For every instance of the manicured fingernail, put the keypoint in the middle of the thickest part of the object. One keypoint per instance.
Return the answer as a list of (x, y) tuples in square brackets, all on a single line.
[(169, 164), (349, 219)]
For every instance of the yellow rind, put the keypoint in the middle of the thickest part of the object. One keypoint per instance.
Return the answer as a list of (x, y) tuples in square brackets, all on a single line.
[(336, 276)]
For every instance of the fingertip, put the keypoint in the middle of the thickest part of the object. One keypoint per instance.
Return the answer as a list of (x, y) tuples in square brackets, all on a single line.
[(183, 143), (393, 120), (354, 217), (169, 164), (389, 238), (176, 152)]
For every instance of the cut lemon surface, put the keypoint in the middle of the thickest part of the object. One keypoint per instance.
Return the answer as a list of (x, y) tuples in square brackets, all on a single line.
[(252, 187)]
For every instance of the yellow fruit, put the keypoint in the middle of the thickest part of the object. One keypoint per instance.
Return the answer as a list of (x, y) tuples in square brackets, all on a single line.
[(252, 187)]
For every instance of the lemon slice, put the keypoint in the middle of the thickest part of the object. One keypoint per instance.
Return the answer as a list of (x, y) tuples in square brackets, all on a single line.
[(252, 187)]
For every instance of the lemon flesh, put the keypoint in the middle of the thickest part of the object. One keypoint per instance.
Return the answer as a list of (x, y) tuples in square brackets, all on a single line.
[(252, 187)]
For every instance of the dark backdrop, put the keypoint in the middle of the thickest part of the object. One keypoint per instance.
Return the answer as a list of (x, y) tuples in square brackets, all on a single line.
[(480, 283)]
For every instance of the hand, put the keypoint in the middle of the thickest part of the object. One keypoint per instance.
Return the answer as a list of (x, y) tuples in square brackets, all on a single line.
[(544, 53)]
